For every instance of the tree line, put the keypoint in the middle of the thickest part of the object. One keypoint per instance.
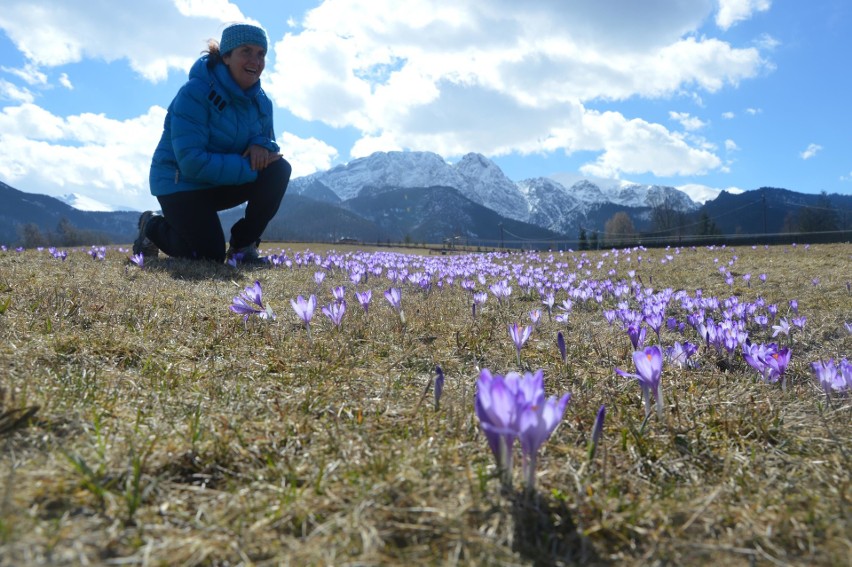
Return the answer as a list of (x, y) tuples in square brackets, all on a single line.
[(669, 224)]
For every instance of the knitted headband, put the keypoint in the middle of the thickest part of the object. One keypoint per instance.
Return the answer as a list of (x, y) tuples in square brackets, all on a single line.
[(236, 35)]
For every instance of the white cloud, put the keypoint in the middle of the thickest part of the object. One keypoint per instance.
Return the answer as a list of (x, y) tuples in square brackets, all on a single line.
[(30, 74), (500, 77), (65, 81), (10, 91), (153, 36), (306, 155), (810, 151), (689, 122), (753, 111), (636, 146), (102, 158), (86, 153), (732, 12), (728, 115), (731, 146)]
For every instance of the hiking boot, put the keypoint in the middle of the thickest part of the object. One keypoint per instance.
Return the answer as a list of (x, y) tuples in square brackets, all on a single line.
[(245, 255), (142, 244)]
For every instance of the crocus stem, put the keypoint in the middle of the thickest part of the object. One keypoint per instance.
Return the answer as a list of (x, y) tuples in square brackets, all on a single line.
[(505, 464), (529, 471), (659, 403)]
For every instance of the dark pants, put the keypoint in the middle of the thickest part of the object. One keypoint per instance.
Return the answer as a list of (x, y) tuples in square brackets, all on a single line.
[(190, 226)]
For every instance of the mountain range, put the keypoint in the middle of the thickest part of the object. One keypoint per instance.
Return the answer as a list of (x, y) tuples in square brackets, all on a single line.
[(420, 197)]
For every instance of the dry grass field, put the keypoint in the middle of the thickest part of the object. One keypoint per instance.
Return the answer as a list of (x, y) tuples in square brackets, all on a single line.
[(142, 422)]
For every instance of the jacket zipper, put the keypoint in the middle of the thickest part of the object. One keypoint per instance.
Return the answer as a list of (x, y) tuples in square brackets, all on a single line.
[(177, 175)]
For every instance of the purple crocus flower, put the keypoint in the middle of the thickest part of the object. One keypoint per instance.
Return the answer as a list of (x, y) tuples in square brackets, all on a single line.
[(319, 277), (394, 297), (501, 290), (636, 333), (777, 363), (519, 337), (304, 308), (250, 302), (655, 321), (782, 327), (830, 377), (497, 409), (560, 344), (548, 302), (338, 293), (535, 317), (364, 298), (597, 432), (439, 386), (755, 355), (649, 366), (137, 259), (334, 311), (679, 354), (536, 423)]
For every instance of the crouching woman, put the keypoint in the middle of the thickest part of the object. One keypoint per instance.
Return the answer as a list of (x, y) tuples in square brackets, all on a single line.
[(217, 151)]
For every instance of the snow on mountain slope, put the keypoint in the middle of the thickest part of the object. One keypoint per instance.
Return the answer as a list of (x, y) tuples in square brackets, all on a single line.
[(486, 184), (390, 169), (626, 193), (83, 203), (551, 205)]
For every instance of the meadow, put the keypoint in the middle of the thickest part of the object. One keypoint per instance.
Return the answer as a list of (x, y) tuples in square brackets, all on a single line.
[(145, 422)]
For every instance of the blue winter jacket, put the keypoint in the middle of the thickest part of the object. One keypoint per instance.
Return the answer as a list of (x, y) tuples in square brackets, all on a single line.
[(209, 124)]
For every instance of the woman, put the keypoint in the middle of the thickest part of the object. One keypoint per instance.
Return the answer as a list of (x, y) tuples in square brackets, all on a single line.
[(217, 151)]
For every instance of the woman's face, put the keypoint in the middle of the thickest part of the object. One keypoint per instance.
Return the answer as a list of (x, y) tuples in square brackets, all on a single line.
[(245, 64)]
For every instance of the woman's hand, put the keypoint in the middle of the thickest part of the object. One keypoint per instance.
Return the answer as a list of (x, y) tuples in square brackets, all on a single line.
[(259, 157)]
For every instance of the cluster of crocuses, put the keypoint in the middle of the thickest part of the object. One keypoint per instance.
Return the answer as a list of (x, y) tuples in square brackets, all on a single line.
[(834, 379), (514, 407), (250, 302), (769, 360), (724, 326)]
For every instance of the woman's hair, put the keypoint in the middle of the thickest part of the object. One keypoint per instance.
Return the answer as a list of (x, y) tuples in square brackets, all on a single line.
[(214, 56)]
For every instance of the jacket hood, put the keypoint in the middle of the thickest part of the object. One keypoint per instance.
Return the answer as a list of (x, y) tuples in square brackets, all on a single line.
[(220, 74)]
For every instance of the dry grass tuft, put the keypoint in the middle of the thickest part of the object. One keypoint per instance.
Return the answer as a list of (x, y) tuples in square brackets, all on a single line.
[(144, 423)]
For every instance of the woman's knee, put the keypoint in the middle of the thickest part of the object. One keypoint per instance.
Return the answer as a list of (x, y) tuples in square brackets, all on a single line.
[(278, 174)]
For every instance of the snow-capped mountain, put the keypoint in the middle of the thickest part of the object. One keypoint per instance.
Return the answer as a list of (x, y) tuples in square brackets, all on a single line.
[(551, 205), (385, 169), (486, 184), (84, 203), (635, 195), (475, 176), (542, 201)]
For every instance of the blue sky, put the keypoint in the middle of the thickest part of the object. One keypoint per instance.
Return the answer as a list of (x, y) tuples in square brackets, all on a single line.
[(700, 94)]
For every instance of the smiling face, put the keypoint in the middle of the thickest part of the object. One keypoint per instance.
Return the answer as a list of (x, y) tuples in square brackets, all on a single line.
[(245, 64)]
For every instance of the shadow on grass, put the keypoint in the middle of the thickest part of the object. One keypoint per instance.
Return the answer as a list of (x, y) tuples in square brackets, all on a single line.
[(545, 533), (197, 270)]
